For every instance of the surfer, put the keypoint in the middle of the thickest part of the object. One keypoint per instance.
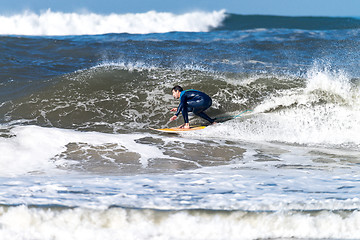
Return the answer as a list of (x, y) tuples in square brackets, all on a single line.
[(191, 101)]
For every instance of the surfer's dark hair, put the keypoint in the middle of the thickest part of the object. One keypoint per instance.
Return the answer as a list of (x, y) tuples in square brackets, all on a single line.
[(177, 88)]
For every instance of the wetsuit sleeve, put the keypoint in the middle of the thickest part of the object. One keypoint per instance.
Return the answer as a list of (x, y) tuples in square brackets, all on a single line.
[(181, 106), (183, 109)]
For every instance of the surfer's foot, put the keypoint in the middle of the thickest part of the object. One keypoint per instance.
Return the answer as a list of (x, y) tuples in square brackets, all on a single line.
[(185, 126)]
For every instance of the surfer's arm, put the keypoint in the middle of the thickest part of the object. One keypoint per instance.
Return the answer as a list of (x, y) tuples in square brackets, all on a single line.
[(184, 113), (183, 109), (181, 106)]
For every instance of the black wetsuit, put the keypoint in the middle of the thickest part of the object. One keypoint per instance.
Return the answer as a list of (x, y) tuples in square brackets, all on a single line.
[(196, 102)]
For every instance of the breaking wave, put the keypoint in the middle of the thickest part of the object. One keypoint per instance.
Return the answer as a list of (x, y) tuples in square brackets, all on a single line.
[(58, 23)]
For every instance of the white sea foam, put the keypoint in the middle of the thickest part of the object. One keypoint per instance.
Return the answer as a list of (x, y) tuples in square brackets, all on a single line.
[(285, 193), (325, 112), (31, 223), (35, 149), (58, 23), (238, 203)]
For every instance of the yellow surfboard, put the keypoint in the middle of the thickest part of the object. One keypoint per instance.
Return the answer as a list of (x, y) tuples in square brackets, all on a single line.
[(178, 130)]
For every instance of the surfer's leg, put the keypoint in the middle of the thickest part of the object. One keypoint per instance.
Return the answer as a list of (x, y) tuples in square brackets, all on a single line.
[(200, 107), (205, 116), (200, 112)]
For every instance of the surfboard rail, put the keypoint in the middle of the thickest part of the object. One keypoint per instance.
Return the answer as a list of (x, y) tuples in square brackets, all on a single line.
[(178, 130)]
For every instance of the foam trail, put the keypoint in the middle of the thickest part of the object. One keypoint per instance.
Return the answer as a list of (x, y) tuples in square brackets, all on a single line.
[(34, 149), (58, 23)]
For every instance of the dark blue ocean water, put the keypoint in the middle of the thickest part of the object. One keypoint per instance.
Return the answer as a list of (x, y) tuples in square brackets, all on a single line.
[(78, 99)]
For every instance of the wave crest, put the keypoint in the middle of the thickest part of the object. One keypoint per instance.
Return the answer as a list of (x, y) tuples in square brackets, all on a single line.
[(58, 23)]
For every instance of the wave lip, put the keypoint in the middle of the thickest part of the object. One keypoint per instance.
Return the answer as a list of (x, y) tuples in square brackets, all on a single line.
[(51, 23)]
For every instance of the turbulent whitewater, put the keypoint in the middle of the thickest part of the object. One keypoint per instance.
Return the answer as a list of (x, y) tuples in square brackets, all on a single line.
[(59, 23), (79, 160)]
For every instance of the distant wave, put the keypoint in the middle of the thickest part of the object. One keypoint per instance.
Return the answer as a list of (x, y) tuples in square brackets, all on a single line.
[(49, 23), (58, 23), (243, 22)]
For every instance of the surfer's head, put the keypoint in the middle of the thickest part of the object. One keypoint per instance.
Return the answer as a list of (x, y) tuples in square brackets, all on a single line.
[(176, 91)]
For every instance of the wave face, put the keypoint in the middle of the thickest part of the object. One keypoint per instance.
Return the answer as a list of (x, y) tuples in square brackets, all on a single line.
[(58, 23), (320, 107)]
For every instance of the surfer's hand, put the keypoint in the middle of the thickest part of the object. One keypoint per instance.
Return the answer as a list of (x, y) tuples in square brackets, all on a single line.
[(173, 118), (173, 110)]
